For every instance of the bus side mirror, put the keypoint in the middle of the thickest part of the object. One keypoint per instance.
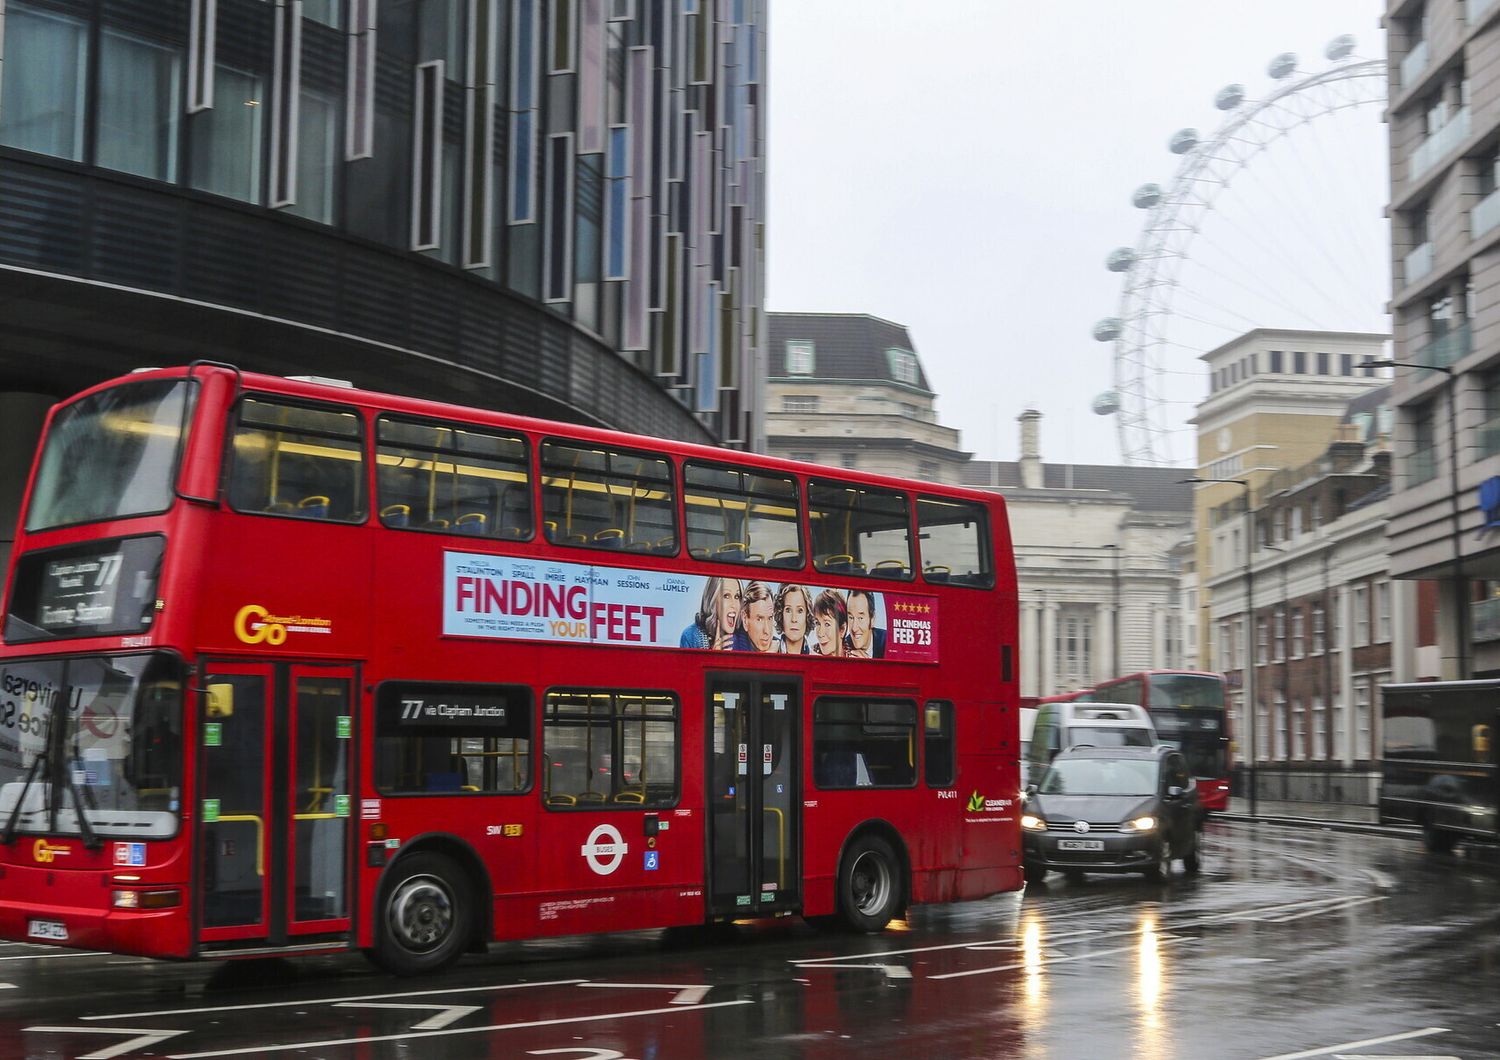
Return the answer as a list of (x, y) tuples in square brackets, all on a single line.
[(220, 700)]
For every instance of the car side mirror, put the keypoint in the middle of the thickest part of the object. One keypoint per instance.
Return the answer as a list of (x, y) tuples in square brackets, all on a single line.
[(1174, 792), (1030, 791)]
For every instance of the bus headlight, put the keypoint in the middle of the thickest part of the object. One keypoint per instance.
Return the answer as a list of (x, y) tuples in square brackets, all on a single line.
[(1140, 824), (1033, 823)]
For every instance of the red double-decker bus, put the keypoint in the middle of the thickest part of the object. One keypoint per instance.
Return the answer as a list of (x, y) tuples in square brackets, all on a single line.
[(291, 667), (1187, 708)]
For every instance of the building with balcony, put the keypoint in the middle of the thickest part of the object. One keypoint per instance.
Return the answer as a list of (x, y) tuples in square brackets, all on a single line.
[(1444, 120), (552, 207)]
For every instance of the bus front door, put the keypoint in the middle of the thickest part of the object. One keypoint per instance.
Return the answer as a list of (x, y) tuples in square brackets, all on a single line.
[(274, 805), (754, 796)]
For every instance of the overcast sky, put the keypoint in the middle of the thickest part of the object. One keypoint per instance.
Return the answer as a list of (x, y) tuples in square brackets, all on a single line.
[(963, 167)]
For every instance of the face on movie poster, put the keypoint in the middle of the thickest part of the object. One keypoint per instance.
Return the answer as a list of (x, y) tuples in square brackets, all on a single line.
[(527, 599)]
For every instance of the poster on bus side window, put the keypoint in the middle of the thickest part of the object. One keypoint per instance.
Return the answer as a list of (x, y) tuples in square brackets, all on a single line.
[(539, 600)]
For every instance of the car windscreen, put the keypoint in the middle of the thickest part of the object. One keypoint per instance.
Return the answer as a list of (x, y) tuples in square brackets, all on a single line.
[(1109, 736), (1099, 776)]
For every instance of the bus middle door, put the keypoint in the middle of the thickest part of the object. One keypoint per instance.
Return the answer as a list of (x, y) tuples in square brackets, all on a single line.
[(754, 864)]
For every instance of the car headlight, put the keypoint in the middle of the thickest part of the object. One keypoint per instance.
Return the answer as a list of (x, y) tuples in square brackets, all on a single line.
[(1140, 824), (1033, 822)]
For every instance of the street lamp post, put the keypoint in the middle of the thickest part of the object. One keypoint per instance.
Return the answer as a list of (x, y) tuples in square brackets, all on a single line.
[(1461, 604), (1249, 629)]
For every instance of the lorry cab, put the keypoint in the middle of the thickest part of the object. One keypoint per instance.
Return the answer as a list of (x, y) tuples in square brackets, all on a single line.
[(1060, 726)]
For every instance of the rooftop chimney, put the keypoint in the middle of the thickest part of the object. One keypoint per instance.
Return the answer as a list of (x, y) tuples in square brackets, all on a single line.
[(1031, 449)]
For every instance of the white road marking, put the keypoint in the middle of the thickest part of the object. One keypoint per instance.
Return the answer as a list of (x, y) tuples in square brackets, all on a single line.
[(1360, 1044), (1163, 940), (259, 1050), (330, 1000), (446, 1014), (55, 956), (1348, 903), (892, 971), (142, 1038), (686, 994), (997, 945), (1392, 1056), (7, 986)]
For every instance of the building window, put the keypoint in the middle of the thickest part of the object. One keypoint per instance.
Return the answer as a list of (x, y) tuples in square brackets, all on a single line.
[(1346, 364), (927, 470), (1298, 640), (1382, 612), (903, 365), (806, 458), (1074, 650), (1279, 748), (138, 106), (226, 151), (1360, 599), (1318, 629), (1322, 363), (799, 358), (1362, 732), (849, 460), (1299, 362), (799, 403), (1262, 731), (1297, 748), (1261, 647), (1320, 730), (42, 82), (1280, 627)]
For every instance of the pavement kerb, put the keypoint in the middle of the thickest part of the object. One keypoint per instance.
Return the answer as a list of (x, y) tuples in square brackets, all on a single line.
[(1395, 831)]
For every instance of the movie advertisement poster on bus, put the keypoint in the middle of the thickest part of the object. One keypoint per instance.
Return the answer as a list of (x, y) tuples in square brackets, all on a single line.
[(524, 599)]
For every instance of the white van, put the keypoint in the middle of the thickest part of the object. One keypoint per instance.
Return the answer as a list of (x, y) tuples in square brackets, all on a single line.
[(1059, 726)]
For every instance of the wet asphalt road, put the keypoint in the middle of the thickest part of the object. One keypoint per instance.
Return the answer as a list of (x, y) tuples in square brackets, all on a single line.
[(1293, 942)]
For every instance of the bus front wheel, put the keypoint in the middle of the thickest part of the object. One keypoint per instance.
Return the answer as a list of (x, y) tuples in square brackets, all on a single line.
[(425, 917), (869, 885)]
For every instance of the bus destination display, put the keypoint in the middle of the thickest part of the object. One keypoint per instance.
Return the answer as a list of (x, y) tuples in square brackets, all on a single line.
[(103, 588)]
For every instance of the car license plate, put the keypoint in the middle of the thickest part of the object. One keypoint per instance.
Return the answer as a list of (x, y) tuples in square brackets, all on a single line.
[(52, 930), (1080, 844)]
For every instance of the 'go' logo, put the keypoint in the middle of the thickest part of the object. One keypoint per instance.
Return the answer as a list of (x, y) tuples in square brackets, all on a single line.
[(45, 853), (250, 626)]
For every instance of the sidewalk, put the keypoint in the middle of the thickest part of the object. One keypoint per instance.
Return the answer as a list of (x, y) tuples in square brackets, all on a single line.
[(1334, 816)]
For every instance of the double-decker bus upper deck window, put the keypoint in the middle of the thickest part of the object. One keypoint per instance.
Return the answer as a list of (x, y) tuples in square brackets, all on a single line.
[(864, 743), (304, 461), (110, 455), (608, 747), (955, 542), (858, 530), (607, 498), (459, 480), (735, 515), (442, 737)]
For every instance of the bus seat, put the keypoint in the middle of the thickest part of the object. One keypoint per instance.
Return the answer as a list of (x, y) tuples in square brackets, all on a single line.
[(471, 523), (787, 557), (937, 573), (637, 795), (591, 796), (314, 507), (698, 553), (888, 568), (839, 564), (666, 546), (610, 537), (512, 533), (397, 515), (561, 800), (733, 551), (281, 508), (444, 782), (435, 524)]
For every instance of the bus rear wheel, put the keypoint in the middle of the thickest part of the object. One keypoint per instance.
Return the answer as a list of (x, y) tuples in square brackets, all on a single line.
[(426, 915), (869, 885)]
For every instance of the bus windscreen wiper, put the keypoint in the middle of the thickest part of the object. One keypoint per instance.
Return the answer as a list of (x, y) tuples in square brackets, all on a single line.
[(85, 826), (8, 836)]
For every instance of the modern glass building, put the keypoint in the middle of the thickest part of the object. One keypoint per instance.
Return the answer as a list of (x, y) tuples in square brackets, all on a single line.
[(547, 206)]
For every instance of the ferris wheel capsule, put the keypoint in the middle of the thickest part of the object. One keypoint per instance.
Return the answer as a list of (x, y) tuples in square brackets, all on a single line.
[(1108, 329), (1183, 141), (1146, 196), (1120, 259), (1229, 97), (1341, 47), (1106, 404), (1283, 66)]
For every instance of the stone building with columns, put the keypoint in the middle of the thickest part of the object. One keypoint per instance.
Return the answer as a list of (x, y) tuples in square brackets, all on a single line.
[(1098, 563)]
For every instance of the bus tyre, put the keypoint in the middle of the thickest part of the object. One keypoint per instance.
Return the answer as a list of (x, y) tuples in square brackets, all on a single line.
[(425, 918), (869, 885)]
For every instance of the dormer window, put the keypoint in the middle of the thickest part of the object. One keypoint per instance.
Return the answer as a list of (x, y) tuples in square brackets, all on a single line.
[(799, 357), (903, 365)]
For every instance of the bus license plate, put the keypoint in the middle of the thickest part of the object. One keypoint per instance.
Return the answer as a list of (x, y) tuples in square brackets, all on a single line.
[(1080, 844), (52, 930)]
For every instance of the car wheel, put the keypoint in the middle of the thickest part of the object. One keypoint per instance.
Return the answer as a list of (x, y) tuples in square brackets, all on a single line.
[(1190, 862), (425, 918), (1438, 841), (1035, 873), (1161, 868), (869, 885)]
